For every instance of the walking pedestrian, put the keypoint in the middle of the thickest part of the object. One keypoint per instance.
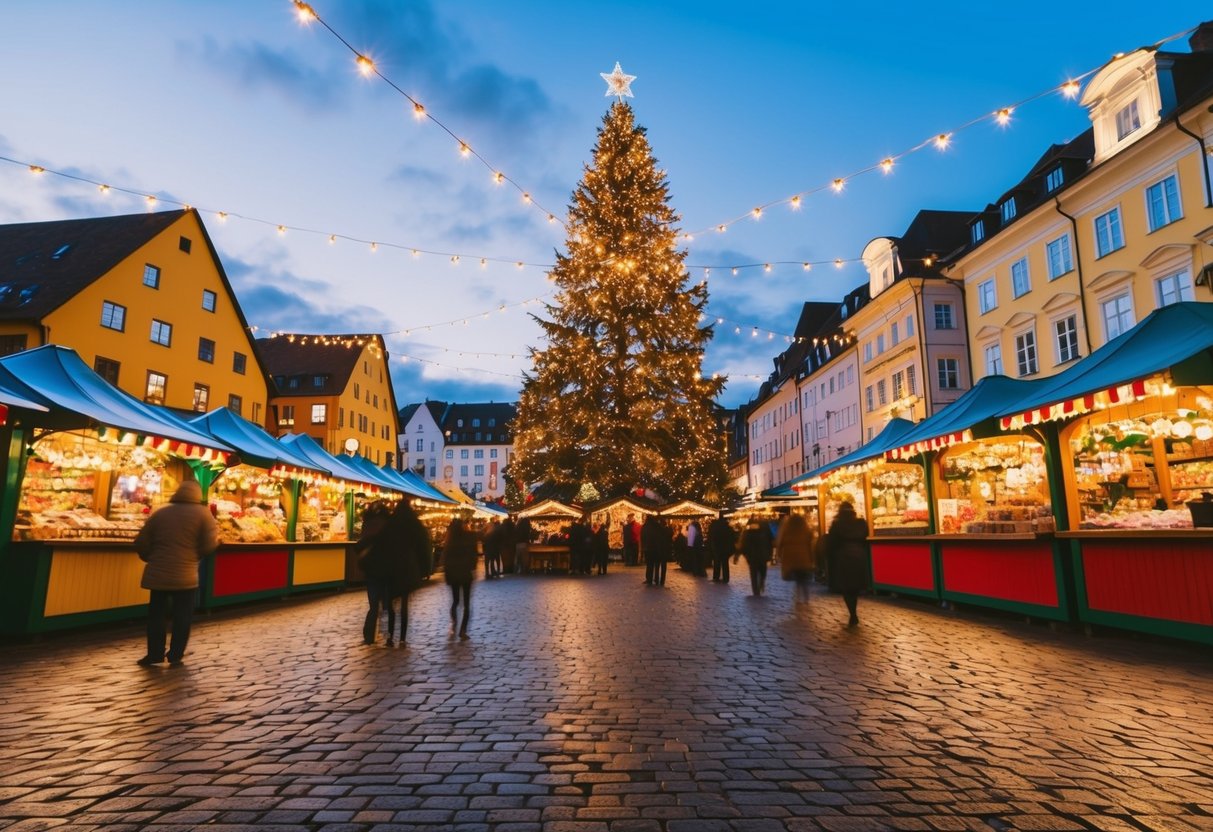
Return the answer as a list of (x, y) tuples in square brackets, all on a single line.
[(522, 545), (695, 549), (602, 545), (655, 545), (756, 546), (396, 562), (794, 546), (459, 565), (847, 544), (505, 547), (491, 543), (172, 543), (631, 541), (580, 546), (722, 542)]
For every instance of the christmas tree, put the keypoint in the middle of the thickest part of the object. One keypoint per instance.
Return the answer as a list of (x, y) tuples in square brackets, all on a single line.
[(617, 398)]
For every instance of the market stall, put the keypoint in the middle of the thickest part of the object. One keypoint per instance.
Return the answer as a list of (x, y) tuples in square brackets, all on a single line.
[(1133, 428), (549, 520), (80, 479), (616, 511)]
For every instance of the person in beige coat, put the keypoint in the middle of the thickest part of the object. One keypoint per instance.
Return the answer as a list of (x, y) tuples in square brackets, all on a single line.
[(172, 543), (794, 546)]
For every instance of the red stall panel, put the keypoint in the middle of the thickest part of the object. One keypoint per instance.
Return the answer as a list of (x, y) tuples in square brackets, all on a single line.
[(1020, 570), (903, 564), (1167, 579), (238, 572)]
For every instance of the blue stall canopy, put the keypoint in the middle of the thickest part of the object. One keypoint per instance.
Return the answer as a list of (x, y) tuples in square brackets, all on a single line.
[(372, 472), (16, 393), (65, 382), (253, 444), (876, 446), (987, 399), (412, 484), (1178, 337), (305, 446)]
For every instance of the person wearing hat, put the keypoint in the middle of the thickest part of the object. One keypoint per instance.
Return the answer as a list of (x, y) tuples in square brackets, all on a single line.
[(172, 543)]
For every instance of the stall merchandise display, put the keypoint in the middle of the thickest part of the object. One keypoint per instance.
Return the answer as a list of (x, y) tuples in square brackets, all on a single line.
[(843, 486), (996, 486), (321, 514), (79, 487), (1142, 473), (247, 504), (899, 500)]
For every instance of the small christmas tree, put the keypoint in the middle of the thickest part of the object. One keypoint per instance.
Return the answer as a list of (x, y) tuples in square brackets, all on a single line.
[(617, 397)]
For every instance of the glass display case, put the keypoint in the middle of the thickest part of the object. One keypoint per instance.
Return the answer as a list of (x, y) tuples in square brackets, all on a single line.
[(78, 486), (899, 500), (994, 486)]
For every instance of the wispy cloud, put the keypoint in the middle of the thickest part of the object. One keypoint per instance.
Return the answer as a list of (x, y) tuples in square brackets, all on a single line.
[(251, 65)]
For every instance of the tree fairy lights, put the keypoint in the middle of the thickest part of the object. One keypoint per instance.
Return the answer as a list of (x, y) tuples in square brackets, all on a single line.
[(617, 398)]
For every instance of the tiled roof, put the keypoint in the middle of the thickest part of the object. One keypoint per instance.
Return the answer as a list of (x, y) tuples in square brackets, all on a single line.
[(45, 264), (501, 414), (291, 356)]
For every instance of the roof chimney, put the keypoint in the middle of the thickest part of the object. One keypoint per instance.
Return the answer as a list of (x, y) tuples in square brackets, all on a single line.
[(1202, 38)]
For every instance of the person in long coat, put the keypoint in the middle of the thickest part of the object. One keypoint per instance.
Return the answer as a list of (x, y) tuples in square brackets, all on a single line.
[(602, 545), (397, 561), (522, 545), (756, 546), (847, 545), (459, 565), (794, 545), (172, 543), (655, 543), (492, 549), (722, 542), (505, 547)]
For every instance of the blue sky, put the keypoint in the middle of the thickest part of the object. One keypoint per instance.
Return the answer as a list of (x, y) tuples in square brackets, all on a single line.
[(234, 106)]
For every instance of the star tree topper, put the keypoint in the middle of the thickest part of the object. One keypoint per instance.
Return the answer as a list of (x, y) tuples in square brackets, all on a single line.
[(618, 84)]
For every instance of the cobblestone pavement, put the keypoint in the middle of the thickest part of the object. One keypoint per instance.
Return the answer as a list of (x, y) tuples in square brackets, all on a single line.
[(601, 705)]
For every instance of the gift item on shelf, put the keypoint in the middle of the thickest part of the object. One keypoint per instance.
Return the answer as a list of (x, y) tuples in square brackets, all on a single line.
[(994, 486), (899, 500), (247, 504)]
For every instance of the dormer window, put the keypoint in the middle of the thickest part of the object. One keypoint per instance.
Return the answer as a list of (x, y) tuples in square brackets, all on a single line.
[(977, 231), (1008, 210), (1055, 179), (1127, 120)]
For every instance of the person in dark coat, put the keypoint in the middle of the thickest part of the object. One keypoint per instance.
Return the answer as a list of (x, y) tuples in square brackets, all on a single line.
[(756, 546), (655, 541), (722, 542), (847, 546), (631, 541), (695, 549), (396, 562), (492, 550), (459, 565), (522, 545), (172, 543), (602, 545), (580, 546), (505, 547)]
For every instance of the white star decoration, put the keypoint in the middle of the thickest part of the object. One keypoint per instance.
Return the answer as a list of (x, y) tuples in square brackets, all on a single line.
[(618, 84)]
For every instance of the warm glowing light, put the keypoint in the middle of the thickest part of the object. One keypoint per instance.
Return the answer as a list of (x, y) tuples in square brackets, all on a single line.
[(37, 169), (720, 228), (734, 271), (282, 229), (374, 247), (483, 262), (415, 253), (766, 267), (105, 189), (551, 218), (455, 259), (464, 150), (838, 184), (498, 178), (1070, 89), (795, 202), (365, 65), (757, 212), (942, 140), (526, 198), (304, 12), (151, 200), (838, 263), (808, 267), (928, 261), (518, 264), (886, 164), (1003, 116), (418, 110), (332, 239)]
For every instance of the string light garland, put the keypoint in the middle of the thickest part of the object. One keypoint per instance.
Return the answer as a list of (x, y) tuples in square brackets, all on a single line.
[(1001, 116), (307, 14)]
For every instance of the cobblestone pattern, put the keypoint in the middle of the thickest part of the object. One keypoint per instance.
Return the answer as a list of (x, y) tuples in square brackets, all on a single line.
[(597, 704)]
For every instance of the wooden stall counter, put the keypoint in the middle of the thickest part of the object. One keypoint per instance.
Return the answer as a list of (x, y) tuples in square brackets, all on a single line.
[(547, 558)]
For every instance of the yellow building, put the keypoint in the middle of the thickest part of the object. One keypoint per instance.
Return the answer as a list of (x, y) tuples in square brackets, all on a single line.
[(142, 298), (911, 335), (1103, 229), (336, 389)]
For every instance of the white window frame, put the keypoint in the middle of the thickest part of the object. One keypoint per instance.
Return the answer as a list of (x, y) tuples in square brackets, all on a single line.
[(1170, 212), (1021, 278), (950, 319), (993, 358), (1060, 255), (1071, 336), (320, 414), (1007, 210), (987, 304), (1113, 229), (1054, 179), (1181, 280), (1124, 306), (947, 371), (1027, 355), (1131, 122)]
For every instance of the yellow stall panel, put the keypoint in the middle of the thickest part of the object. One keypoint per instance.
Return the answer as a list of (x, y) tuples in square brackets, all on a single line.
[(89, 580), (319, 566)]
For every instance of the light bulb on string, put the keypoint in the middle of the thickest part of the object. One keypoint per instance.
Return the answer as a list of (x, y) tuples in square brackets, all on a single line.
[(1003, 116), (838, 185), (365, 65), (105, 189), (886, 165), (304, 12), (1070, 88), (418, 110), (795, 202), (757, 213), (943, 140)]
